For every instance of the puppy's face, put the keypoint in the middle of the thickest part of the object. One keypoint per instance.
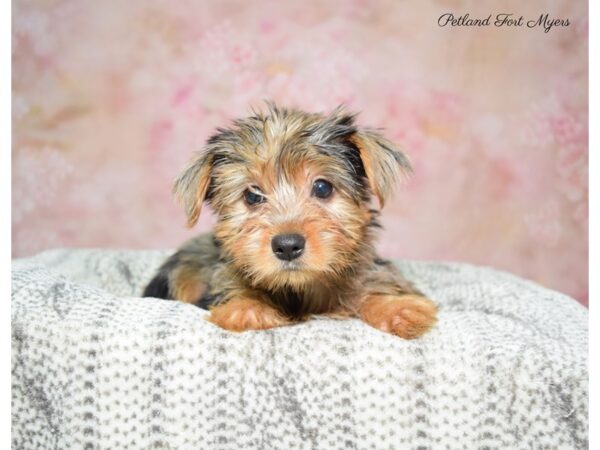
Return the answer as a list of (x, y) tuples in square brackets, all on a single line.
[(292, 193)]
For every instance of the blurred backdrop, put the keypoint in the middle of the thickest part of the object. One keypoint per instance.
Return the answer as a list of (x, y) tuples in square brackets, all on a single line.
[(110, 98)]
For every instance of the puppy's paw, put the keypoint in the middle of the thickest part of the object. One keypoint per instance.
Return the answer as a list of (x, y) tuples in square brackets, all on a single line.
[(246, 314), (407, 316)]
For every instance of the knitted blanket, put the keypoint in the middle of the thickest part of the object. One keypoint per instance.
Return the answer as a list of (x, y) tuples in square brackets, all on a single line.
[(96, 367)]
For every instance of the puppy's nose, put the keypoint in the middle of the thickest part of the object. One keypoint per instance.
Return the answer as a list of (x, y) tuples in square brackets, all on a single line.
[(288, 246)]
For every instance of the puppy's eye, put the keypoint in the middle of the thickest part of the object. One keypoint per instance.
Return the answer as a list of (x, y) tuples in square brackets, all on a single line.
[(322, 189), (252, 198)]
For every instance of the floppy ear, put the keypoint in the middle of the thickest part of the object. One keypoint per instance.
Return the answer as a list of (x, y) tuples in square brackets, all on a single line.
[(385, 165), (192, 185)]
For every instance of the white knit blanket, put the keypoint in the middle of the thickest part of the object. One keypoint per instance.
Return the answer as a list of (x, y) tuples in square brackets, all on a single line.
[(96, 367)]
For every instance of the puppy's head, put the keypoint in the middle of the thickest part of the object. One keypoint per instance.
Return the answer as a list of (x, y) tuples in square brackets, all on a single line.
[(292, 193)]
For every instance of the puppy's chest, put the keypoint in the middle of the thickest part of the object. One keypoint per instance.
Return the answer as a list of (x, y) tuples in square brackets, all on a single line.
[(317, 299)]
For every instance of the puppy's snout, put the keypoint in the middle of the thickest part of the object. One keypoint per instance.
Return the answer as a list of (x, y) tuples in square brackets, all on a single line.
[(288, 246)]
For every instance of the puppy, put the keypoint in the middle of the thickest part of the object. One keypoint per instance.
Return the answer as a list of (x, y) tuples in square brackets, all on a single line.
[(295, 233)]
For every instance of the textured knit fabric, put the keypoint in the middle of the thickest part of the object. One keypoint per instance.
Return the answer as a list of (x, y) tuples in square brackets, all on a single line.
[(95, 366)]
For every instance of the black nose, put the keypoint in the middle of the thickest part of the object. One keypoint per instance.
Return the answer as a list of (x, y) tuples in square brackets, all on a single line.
[(288, 246)]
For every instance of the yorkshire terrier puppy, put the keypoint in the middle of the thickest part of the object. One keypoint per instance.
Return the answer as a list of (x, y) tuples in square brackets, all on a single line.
[(295, 232)]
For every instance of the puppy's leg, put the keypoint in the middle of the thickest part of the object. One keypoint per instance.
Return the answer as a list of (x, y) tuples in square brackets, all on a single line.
[(245, 310), (392, 304), (187, 284), (405, 315), (187, 274)]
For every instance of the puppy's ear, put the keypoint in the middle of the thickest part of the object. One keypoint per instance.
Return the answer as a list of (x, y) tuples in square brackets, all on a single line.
[(385, 165), (191, 187)]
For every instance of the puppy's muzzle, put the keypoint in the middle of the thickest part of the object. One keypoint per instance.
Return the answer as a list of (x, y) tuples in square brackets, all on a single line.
[(288, 246)]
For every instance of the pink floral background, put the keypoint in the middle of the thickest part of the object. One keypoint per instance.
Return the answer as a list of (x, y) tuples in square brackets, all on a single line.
[(110, 99)]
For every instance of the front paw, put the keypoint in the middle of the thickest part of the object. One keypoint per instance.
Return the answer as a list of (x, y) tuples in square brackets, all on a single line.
[(407, 316), (243, 314)]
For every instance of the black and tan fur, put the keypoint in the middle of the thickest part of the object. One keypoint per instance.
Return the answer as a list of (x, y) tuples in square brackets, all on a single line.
[(280, 155)]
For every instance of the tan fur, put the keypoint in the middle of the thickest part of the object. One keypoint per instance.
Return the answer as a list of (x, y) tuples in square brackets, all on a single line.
[(279, 155), (380, 163), (188, 284), (243, 314), (191, 186), (407, 316)]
